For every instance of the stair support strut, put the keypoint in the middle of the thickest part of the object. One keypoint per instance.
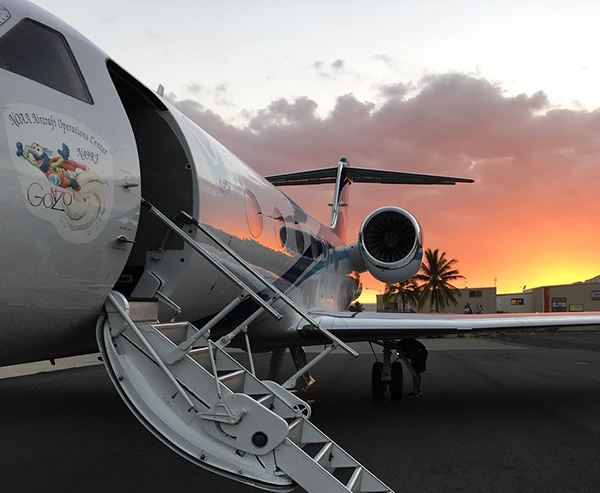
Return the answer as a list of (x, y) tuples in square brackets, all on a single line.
[(290, 383)]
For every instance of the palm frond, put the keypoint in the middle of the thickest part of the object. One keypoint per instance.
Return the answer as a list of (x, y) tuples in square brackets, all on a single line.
[(435, 277)]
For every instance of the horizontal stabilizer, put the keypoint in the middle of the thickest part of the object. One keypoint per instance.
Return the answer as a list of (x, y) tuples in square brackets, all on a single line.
[(362, 175)]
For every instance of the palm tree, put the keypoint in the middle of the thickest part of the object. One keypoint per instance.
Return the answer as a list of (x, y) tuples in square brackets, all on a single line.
[(357, 306), (436, 274), (405, 293)]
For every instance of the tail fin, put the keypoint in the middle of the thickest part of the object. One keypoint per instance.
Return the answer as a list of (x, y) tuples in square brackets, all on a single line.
[(341, 196)]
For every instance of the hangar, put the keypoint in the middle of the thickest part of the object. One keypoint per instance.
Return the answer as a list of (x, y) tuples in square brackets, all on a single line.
[(576, 297)]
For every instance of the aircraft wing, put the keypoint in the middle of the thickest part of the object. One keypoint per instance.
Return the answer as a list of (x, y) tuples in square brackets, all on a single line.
[(361, 175), (368, 326)]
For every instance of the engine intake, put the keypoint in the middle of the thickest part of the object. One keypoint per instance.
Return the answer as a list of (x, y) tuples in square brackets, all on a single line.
[(390, 242)]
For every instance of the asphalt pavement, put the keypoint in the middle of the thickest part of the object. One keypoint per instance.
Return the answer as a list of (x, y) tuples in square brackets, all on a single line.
[(513, 413)]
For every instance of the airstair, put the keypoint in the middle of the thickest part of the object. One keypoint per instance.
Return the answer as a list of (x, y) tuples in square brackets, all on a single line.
[(204, 404)]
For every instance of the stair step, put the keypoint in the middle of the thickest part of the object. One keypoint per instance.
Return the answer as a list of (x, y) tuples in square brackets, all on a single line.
[(313, 477), (143, 311), (324, 455), (234, 380), (353, 483), (176, 332), (201, 356), (266, 400), (224, 364)]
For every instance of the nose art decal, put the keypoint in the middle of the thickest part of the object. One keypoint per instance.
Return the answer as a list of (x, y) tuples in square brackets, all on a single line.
[(4, 15), (65, 170)]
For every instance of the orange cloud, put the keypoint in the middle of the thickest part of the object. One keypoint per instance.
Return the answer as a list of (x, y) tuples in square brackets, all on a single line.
[(531, 217)]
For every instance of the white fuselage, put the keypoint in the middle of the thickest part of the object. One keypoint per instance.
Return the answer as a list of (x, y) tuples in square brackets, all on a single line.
[(61, 217)]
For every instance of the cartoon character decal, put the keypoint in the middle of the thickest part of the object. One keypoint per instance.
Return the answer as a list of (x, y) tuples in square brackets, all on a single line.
[(83, 200), (60, 171)]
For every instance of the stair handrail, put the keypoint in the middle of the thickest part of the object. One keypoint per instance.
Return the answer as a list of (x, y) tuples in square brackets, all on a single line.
[(157, 359), (214, 262), (280, 294)]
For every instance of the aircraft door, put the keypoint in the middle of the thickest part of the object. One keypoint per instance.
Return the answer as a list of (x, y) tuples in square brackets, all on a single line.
[(70, 178)]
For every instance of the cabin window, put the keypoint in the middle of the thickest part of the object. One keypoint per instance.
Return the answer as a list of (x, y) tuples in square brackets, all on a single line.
[(280, 229), (314, 246), (325, 253), (43, 55), (299, 238), (253, 214)]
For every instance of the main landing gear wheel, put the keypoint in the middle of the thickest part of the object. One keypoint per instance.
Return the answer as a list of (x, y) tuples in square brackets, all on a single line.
[(396, 385), (377, 385)]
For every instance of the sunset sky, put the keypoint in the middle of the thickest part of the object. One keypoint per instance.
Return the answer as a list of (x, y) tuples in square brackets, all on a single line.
[(506, 93)]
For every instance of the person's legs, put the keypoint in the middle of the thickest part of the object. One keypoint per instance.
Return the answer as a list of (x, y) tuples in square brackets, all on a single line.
[(417, 382), (416, 391), (419, 364)]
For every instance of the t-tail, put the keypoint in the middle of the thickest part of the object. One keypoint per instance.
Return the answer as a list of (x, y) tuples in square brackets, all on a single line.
[(343, 175)]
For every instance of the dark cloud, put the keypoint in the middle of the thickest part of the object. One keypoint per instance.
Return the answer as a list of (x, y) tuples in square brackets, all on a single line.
[(338, 65), (331, 70), (283, 113), (321, 69), (194, 88), (393, 91), (221, 95)]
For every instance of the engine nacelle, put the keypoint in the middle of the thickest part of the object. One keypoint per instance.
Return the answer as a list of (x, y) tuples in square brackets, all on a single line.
[(390, 244)]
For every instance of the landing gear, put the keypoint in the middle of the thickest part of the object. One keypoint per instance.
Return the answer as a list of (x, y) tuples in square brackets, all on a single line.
[(386, 375)]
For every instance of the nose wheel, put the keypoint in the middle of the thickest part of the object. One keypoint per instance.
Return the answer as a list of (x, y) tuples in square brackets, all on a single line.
[(387, 375)]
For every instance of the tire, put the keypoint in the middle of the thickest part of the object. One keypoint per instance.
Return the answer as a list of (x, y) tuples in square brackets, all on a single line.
[(397, 383), (377, 385)]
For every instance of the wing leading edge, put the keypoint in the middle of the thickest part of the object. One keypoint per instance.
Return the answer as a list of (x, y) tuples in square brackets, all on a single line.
[(354, 327)]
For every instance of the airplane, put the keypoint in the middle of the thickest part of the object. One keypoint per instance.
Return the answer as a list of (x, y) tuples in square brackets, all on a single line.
[(128, 229)]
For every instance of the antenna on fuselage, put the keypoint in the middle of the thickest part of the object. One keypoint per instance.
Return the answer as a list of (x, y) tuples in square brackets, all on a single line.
[(161, 90)]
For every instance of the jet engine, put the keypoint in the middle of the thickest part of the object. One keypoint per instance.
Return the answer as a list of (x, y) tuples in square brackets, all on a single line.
[(390, 244)]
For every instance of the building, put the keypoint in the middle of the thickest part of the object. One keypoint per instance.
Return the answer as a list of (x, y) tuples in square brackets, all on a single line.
[(515, 302), (473, 297), (576, 297)]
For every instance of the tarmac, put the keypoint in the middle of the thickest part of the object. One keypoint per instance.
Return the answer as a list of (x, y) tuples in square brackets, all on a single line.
[(511, 413)]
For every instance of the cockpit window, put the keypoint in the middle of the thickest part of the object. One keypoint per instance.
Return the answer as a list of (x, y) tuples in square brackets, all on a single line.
[(42, 54)]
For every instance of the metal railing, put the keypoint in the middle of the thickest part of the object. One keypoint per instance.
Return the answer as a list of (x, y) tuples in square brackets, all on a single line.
[(257, 275)]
